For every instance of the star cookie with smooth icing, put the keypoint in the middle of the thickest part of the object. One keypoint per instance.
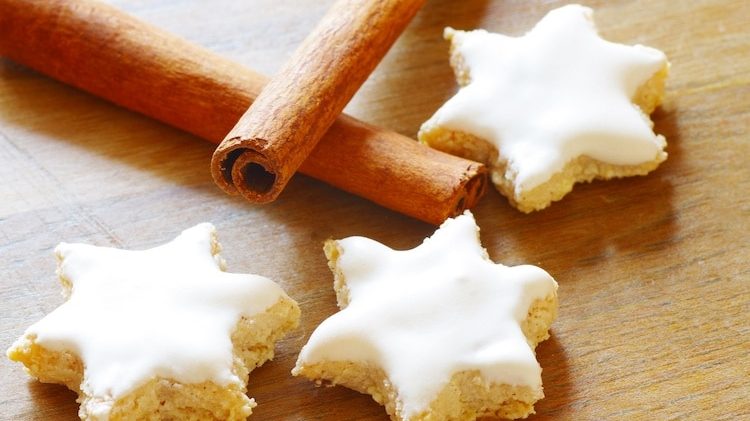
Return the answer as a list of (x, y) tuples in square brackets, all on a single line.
[(438, 332), (162, 333), (554, 107)]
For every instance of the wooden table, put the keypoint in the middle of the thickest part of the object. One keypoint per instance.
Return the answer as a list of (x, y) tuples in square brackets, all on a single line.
[(653, 271)]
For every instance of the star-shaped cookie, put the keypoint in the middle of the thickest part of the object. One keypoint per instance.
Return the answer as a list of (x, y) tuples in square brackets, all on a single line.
[(437, 332), (556, 106), (162, 333)]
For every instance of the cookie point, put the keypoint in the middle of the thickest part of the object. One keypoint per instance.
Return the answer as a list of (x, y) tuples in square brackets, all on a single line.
[(449, 33)]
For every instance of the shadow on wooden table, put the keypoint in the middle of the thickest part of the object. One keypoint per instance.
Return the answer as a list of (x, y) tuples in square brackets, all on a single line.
[(666, 124), (415, 77), (558, 387), (56, 111), (625, 217), (53, 402), (281, 396)]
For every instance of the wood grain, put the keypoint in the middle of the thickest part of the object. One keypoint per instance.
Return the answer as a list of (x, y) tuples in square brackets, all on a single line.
[(653, 271)]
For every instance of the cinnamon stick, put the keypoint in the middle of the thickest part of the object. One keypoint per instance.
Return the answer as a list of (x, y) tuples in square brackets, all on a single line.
[(108, 53), (280, 129)]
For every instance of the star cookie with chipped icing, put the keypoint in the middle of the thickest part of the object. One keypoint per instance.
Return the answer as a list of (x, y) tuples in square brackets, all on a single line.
[(554, 107), (162, 333), (438, 332)]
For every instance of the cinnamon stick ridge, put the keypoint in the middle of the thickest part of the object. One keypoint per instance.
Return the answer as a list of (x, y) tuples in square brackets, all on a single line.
[(102, 50), (292, 113)]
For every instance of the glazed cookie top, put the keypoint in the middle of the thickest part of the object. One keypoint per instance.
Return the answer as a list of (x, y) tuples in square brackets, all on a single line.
[(554, 94), (426, 313), (168, 311)]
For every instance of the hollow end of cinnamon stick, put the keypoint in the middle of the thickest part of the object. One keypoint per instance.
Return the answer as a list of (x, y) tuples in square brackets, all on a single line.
[(473, 189), (468, 189), (247, 172)]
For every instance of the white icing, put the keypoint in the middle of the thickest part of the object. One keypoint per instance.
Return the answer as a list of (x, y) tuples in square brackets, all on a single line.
[(134, 315), (426, 313), (554, 94)]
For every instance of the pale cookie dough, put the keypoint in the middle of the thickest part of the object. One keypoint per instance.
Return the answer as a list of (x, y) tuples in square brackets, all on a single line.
[(438, 332), (557, 106), (162, 333)]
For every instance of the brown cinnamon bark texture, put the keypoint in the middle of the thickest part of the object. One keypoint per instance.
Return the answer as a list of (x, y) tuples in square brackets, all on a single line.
[(104, 51), (299, 104)]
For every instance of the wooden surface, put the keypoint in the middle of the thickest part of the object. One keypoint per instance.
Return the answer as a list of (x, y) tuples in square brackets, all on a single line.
[(653, 271)]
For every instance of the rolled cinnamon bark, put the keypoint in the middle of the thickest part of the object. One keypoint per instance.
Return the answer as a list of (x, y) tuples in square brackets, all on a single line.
[(280, 129), (104, 51)]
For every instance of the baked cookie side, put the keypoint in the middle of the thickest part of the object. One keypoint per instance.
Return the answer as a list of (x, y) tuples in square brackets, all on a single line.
[(438, 332), (160, 396), (526, 109)]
